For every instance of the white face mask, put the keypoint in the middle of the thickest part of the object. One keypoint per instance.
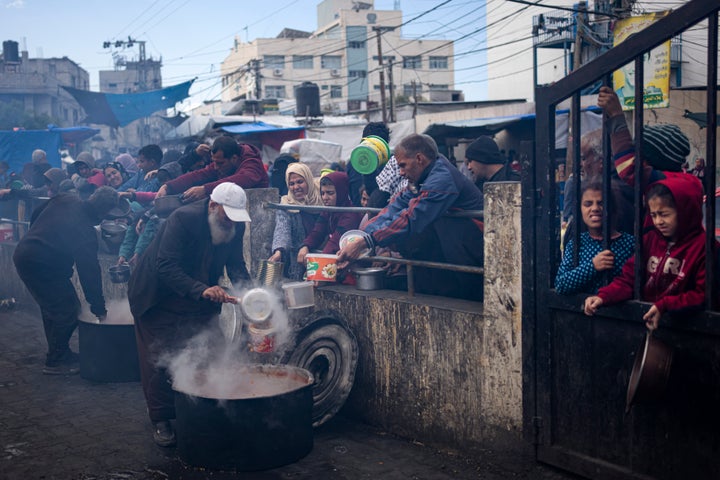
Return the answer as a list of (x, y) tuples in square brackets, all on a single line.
[(220, 231)]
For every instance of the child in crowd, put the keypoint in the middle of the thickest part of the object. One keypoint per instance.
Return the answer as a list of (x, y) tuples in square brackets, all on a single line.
[(673, 252), (330, 226), (593, 261)]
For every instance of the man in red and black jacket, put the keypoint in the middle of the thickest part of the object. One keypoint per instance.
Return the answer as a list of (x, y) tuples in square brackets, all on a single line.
[(240, 164)]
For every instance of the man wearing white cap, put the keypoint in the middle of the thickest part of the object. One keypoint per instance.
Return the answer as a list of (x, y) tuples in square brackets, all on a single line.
[(174, 291)]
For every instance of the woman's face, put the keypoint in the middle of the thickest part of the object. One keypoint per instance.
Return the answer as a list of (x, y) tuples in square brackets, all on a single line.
[(113, 177), (298, 186)]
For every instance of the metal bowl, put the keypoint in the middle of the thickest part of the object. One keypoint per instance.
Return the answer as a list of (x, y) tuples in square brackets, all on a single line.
[(256, 305), (372, 278), (119, 273)]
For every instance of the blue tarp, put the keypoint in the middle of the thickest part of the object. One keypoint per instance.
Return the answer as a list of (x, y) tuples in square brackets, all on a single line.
[(120, 109), (16, 146)]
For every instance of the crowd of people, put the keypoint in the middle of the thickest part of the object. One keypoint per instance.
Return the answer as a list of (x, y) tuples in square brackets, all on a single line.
[(179, 256)]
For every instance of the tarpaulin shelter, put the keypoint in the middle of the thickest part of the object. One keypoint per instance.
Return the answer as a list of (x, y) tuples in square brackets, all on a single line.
[(16, 146), (120, 109), (260, 132)]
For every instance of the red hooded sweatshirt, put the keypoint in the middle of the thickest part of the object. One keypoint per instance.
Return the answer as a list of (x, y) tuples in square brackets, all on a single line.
[(674, 273)]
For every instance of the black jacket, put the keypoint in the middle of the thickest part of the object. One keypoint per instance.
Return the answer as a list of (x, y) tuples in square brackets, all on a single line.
[(62, 234), (181, 262)]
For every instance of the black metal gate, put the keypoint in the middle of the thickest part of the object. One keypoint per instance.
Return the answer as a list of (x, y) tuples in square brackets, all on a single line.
[(577, 367)]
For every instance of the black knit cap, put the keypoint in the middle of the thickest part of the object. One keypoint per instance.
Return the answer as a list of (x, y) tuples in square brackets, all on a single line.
[(665, 147), (484, 150)]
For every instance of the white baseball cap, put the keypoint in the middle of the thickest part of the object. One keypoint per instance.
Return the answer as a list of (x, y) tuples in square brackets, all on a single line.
[(233, 199)]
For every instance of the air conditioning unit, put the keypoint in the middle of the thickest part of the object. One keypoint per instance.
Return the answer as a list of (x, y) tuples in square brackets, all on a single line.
[(278, 72), (335, 72)]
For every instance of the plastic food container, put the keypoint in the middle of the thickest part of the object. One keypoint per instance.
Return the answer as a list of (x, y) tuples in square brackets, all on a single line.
[(299, 294), (321, 267), (352, 236)]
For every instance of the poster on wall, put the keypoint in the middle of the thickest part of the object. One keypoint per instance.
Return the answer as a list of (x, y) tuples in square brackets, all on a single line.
[(656, 67)]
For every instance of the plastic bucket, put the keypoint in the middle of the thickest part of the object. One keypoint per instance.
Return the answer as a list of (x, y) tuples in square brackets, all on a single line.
[(372, 152), (299, 294), (262, 340), (321, 267)]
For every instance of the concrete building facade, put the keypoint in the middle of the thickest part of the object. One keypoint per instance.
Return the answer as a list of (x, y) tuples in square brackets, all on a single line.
[(341, 57), (513, 29), (35, 84)]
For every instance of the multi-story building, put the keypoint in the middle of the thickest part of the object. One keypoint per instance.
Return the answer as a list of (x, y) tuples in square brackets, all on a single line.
[(134, 75), (526, 43), (342, 58), (35, 84)]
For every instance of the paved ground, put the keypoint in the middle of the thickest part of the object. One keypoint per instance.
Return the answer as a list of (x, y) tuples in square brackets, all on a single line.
[(70, 428)]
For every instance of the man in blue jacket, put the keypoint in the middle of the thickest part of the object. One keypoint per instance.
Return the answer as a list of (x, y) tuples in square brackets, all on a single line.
[(414, 223)]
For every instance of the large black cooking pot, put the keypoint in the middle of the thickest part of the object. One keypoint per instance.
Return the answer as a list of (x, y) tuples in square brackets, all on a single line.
[(108, 352), (263, 419)]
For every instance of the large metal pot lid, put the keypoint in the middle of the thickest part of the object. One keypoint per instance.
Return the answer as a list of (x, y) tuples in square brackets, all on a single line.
[(257, 305)]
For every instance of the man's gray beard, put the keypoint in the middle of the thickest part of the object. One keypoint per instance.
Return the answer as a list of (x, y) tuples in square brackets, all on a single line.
[(218, 232)]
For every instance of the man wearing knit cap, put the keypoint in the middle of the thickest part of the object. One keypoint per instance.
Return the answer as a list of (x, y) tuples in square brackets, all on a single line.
[(487, 164)]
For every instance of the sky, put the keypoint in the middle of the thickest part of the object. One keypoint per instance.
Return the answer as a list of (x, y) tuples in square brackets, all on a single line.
[(193, 37)]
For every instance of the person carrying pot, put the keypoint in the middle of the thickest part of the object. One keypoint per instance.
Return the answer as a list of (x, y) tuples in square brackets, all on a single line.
[(174, 292), (62, 234)]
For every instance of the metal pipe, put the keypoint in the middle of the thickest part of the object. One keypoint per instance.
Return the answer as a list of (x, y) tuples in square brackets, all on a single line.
[(322, 208)]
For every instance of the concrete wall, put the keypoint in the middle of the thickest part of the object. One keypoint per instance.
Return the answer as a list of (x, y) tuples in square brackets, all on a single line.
[(443, 371)]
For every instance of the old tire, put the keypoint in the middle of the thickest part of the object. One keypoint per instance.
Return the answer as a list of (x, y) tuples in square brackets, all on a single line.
[(329, 351)]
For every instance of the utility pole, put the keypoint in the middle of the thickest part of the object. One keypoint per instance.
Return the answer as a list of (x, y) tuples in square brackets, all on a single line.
[(577, 63), (256, 70), (382, 73), (415, 100), (380, 31), (392, 90)]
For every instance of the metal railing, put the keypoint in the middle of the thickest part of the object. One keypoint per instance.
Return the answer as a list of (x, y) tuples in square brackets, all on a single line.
[(409, 264)]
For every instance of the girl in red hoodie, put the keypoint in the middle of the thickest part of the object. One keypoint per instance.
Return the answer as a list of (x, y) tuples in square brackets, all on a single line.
[(673, 252)]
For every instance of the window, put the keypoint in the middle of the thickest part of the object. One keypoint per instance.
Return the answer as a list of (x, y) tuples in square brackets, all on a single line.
[(330, 61), (438, 87), (336, 91), (275, 91), (413, 62), (112, 85), (357, 73), (274, 61), (356, 44), (438, 63), (303, 61)]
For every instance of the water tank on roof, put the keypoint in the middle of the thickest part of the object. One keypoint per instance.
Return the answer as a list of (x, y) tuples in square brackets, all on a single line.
[(307, 97), (10, 51)]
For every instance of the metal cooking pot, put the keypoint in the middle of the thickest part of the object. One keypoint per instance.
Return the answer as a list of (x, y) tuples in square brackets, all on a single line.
[(650, 372), (119, 273), (369, 278), (108, 352), (113, 232), (266, 422), (164, 206)]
